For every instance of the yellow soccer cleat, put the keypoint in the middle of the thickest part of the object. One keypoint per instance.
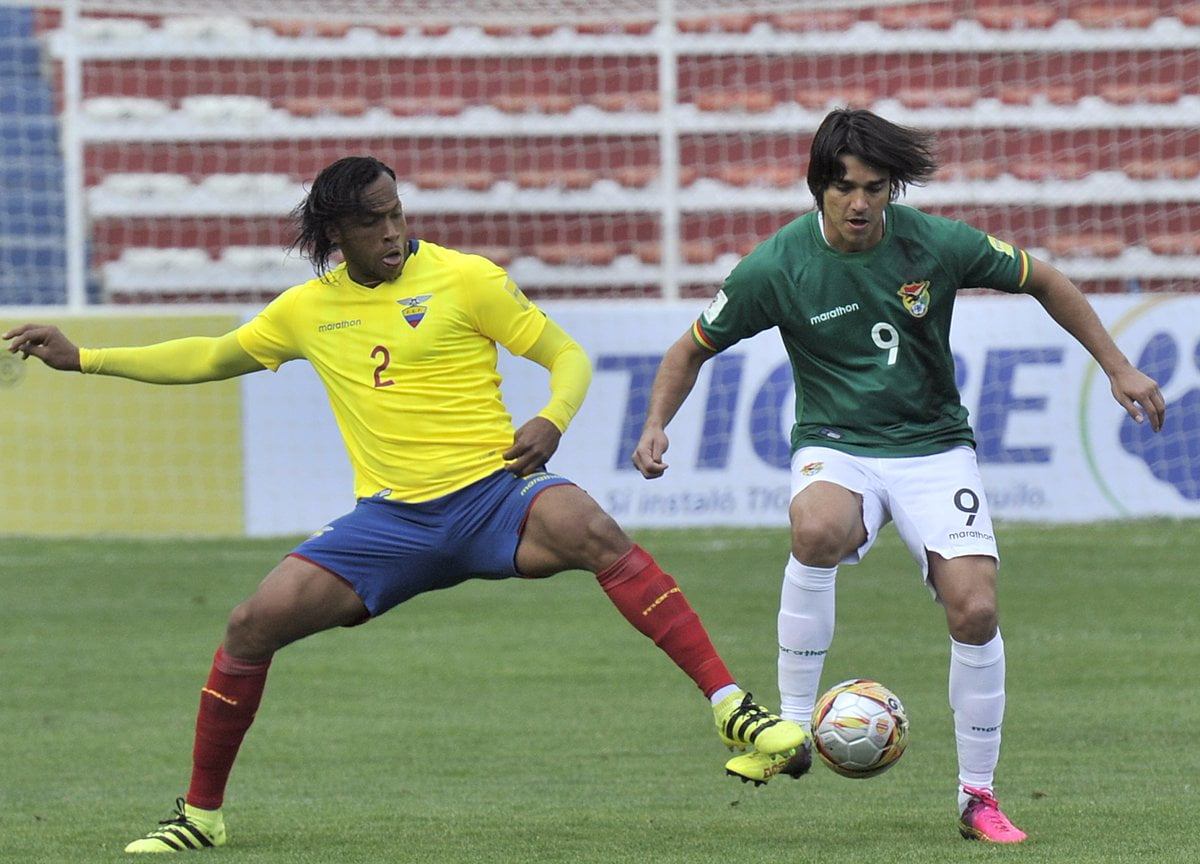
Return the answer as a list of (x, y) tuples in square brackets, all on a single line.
[(189, 828), (741, 723), (758, 768)]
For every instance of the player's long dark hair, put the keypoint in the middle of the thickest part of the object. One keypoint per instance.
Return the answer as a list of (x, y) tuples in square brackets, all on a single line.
[(335, 194), (906, 154)]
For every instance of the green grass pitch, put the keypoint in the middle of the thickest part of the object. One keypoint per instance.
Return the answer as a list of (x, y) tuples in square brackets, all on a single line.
[(527, 722)]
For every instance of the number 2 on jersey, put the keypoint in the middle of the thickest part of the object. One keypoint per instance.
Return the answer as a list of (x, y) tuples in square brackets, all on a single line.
[(385, 357), (887, 338)]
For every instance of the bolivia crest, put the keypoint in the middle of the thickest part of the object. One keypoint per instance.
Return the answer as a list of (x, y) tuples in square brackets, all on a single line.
[(916, 298)]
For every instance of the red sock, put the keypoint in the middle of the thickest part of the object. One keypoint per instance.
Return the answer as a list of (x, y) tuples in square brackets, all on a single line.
[(227, 707), (655, 605)]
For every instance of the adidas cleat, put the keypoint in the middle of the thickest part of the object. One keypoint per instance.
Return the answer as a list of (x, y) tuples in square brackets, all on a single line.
[(189, 828), (741, 723), (758, 768)]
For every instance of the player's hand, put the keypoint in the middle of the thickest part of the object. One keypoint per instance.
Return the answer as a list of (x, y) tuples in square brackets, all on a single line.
[(647, 458), (1132, 387), (533, 445), (45, 342)]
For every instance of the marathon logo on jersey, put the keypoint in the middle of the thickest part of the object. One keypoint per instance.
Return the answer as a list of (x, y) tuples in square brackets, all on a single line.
[(414, 309), (916, 298), (338, 325)]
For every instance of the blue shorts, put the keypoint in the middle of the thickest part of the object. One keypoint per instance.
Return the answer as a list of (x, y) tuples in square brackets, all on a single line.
[(390, 551)]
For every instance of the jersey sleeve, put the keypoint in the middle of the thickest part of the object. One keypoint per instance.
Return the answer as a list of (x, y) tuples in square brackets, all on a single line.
[(499, 308), (988, 262), (268, 336), (746, 304)]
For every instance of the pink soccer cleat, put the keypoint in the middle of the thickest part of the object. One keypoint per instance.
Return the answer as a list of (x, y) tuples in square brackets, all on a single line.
[(983, 819)]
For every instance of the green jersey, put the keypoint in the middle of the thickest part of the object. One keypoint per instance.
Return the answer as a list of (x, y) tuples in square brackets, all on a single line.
[(867, 333)]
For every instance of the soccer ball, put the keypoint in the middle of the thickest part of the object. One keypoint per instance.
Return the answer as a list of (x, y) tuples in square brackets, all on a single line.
[(859, 728)]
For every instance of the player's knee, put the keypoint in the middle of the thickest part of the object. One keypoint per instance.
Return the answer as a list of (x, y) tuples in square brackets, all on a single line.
[(974, 622), (246, 634), (601, 536), (820, 543)]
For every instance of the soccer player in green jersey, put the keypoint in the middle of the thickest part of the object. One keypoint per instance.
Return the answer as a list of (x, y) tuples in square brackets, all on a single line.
[(862, 291), (403, 335)]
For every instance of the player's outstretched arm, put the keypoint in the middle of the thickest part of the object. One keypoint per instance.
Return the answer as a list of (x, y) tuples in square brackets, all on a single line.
[(45, 342), (190, 360), (673, 382), (1137, 392)]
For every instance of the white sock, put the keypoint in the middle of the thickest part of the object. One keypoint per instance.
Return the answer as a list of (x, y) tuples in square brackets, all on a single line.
[(977, 700), (806, 609), (722, 693)]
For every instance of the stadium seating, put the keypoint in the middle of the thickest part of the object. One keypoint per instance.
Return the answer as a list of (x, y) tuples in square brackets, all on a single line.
[(1068, 127), (32, 199)]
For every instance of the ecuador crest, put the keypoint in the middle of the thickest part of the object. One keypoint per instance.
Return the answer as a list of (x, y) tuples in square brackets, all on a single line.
[(414, 308)]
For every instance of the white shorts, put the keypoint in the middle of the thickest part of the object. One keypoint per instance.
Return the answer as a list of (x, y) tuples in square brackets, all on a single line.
[(937, 502)]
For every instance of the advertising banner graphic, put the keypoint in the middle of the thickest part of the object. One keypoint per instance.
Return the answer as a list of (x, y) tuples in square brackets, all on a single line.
[(1052, 443)]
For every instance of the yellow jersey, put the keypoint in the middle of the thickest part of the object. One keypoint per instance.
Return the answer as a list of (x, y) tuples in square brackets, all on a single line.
[(409, 366)]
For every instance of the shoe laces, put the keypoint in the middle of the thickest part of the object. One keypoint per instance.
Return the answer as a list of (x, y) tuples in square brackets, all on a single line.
[(983, 807), (751, 712), (180, 817)]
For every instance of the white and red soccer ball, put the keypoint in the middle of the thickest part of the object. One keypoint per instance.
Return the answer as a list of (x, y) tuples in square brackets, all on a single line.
[(859, 728)]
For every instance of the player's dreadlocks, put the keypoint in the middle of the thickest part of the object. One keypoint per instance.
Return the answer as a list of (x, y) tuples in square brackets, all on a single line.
[(906, 154), (335, 194)]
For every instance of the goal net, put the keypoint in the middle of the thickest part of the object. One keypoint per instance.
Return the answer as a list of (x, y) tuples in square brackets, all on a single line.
[(612, 148)]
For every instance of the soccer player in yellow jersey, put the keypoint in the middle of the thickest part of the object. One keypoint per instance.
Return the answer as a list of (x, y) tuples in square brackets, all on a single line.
[(403, 334)]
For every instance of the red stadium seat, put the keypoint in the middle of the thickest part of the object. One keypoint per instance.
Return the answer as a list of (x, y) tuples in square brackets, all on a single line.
[(635, 176), (317, 106), (974, 169), (1140, 94), (641, 176), (1102, 15), (1087, 245), (1189, 15), (426, 106), (564, 178), (647, 101), (1026, 94), (535, 178), (533, 103), (1174, 244), (698, 251), (937, 97), (746, 101), (476, 181), (648, 253), (1024, 16), (629, 28), (731, 23), (503, 31), (926, 16), (578, 254), (818, 98), (773, 175), (297, 28), (502, 255), (1180, 168), (821, 20), (1041, 170)]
